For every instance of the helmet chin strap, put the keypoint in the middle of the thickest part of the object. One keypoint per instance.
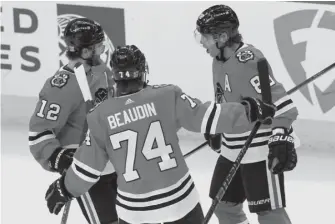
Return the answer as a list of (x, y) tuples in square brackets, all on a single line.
[(221, 57)]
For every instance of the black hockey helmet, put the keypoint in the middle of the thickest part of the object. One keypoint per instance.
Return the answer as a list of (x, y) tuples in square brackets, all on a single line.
[(82, 33), (128, 62), (216, 19), (129, 69)]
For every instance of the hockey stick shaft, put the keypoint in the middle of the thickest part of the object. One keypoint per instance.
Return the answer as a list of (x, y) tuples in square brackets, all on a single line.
[(195, 149), (297, 87), (231, 174), (66, 212), (267, 98), (312, 78), (79, 70)]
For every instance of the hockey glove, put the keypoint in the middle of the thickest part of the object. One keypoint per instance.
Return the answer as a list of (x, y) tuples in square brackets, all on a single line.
[(61, 159), (282, 155), (257, 110), (57, 196), (214, 141)]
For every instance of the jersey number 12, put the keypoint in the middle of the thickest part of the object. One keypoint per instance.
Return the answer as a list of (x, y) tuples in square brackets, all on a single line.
[(162, 151), (52, 111)]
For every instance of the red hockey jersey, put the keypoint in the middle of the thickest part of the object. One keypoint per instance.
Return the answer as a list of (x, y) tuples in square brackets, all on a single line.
[(59, 118), (237, 78), (138, 134)]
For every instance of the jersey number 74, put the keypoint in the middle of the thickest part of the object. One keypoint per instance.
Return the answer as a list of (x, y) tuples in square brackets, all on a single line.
[(154, 134)]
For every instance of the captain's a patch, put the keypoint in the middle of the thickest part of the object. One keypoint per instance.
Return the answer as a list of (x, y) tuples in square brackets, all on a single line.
[(59, 80)]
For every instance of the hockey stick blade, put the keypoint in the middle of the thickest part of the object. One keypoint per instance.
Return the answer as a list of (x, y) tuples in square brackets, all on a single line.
[(297, 87), (66, 213), (266, 97)]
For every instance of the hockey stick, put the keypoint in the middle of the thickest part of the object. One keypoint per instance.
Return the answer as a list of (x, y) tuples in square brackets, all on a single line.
[(196, 149), (267, 98), (66, 212), (310, 79), (80, 73)]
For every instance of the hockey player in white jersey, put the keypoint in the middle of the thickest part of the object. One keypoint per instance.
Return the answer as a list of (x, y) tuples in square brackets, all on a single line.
[(260, 178), (58, 124), (137, 132)]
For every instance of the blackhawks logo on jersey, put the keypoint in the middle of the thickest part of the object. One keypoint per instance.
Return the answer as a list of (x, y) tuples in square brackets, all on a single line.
[(244, 56), (100, 95), (59, 80), (219, 94)]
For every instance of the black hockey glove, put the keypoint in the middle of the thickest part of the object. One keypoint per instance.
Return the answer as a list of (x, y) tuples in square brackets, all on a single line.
[(282, 155), (61, 159), (57, 196), (257, 110), (214, 141)]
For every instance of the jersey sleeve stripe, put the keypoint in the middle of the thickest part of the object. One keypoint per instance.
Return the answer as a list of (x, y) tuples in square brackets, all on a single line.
[(283, 104), (38, 137), (284, 109), (282, 100), (81, 170), (87, 168), (206, 117), (83, 174), (216, 119), (35, 135)]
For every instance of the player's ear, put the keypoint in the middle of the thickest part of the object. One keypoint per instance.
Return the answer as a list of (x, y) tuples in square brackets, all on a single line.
[(85, 53), (223, 38)]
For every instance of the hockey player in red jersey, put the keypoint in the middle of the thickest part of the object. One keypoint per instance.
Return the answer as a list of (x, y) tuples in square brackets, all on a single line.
[(137, 132), (58, 124), (260, 178)]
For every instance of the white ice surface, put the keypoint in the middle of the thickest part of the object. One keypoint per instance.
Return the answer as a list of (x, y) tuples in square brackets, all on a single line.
[(310, 188)]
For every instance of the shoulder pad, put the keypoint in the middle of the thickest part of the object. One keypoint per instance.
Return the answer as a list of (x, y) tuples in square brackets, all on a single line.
[(60, 79), (248, 53)]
